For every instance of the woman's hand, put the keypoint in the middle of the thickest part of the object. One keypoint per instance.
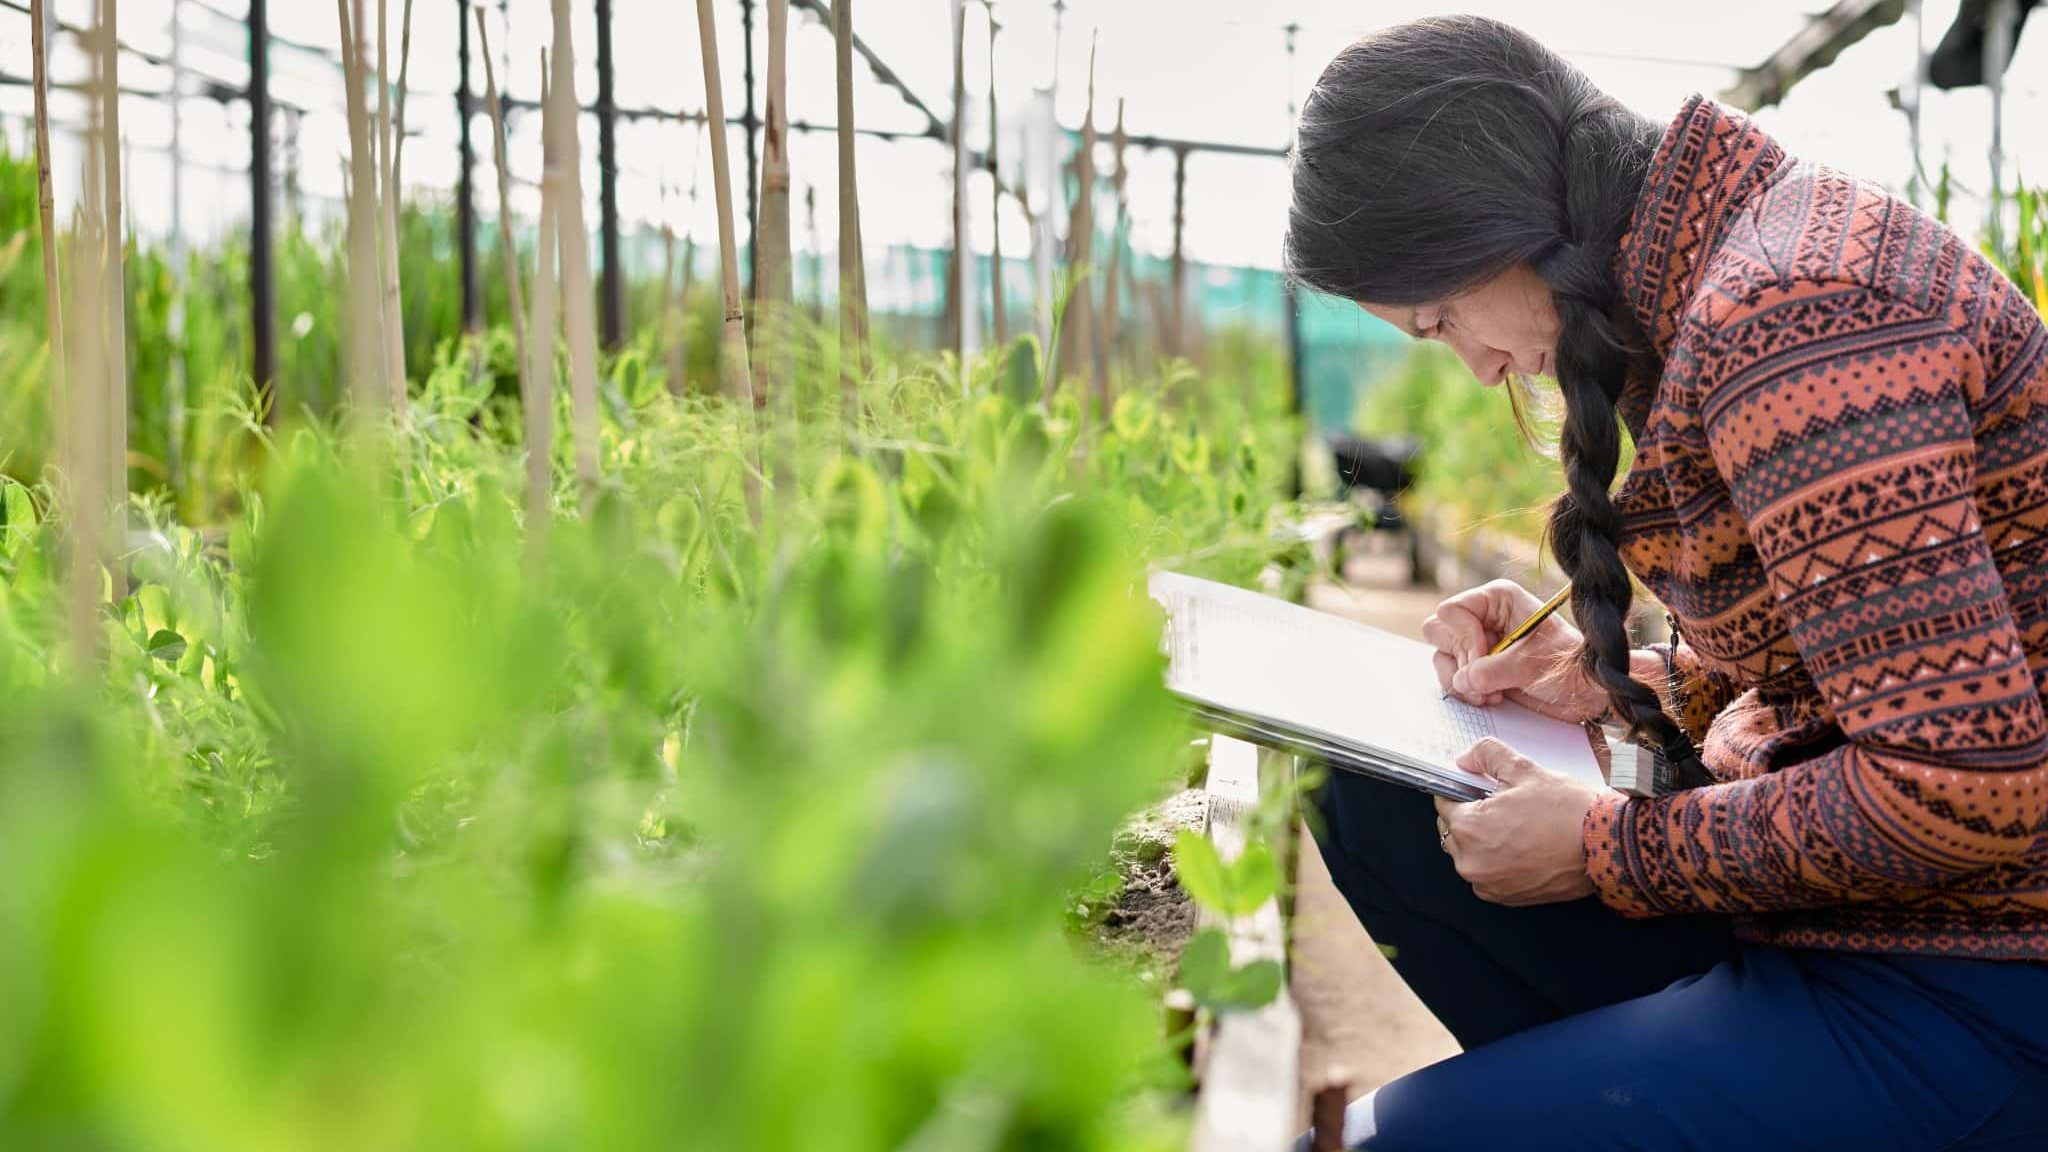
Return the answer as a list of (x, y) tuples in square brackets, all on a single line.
[(1522, 844), (1539, 673)]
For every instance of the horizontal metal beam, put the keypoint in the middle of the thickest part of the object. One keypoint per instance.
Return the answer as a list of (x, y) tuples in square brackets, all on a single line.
[(934, 127), (1811, 49)]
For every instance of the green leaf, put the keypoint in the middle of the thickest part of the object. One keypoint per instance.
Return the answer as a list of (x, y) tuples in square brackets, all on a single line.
[(167, 646), (1252, 986), (1254, 879), (1205, 965), (1206, 973), (1201, 872)]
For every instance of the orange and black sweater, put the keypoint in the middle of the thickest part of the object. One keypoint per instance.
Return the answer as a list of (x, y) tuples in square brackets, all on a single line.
[(1840, 492)]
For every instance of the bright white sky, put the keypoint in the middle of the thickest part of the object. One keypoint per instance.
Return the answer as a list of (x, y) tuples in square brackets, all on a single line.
[(1200, 69)]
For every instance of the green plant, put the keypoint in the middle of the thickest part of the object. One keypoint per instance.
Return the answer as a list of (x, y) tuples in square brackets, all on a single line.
[(691, 831)]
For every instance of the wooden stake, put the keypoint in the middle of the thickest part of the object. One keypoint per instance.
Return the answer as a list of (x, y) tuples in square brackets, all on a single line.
[(46, 205), (773, 358), (668, 283), (84, 439), (394, 322), (1105, 345), (853, 302), (1000, 327), (505, 244), (959, 306), (367, 358), (114, 284), (1177, 267), (1078, 355), (537, 382), (738, 376), (398, 113), (84, 435), (579, 317), (678, 361)]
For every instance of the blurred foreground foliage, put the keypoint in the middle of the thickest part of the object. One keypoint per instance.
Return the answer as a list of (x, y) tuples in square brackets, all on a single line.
[(386, 825)]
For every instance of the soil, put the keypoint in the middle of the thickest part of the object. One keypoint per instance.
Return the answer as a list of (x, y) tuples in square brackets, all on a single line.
[(1152, 919)]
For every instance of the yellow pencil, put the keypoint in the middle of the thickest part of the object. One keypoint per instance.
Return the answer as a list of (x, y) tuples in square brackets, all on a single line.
[(1527, 626)]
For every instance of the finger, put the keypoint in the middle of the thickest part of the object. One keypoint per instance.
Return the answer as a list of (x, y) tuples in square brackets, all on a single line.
[(1491, 757), (1488, 675), (1463, 624), (1446, 668), (1449, 811), (1505, 764)]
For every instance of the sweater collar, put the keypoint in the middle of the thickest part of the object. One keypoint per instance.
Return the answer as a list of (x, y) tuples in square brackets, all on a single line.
[(1710, 163)]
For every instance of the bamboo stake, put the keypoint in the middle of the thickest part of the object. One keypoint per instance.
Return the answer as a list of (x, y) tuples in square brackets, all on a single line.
[(114, 285), (366, 319), (1105, 346), (678, 361), (1001, 326), (83, 438), (668, 283), (1034, 250), (537, 381), (398, 112), (1077, 329), (772, 300), (738, 376), (510, 251), (775, 294), (817, 303), (46, 204), (853, 303), (959, 281), (394, 322), (579, 318), (84, 435), (394, 304)]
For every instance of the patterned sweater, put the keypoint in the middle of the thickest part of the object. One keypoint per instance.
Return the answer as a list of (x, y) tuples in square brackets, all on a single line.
[(1840, 492)]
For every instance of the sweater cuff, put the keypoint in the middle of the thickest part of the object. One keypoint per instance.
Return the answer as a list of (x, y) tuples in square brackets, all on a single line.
[(1609, 835)]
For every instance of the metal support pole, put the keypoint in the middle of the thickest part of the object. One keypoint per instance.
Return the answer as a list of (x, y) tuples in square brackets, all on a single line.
[(1999, 22), (1178, 268), (1291, 298), (175, 317), (262, 286), (612, 288), (177, 239), (750, 121), (465, 187)]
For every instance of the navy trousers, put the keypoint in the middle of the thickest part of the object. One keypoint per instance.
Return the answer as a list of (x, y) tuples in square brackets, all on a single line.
[(1585, 1030)]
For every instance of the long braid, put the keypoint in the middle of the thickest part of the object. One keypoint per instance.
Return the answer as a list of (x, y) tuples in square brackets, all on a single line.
[(1592, 362)]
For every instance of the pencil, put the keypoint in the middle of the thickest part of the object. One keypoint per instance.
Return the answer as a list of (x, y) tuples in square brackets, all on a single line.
[(1527, 626)]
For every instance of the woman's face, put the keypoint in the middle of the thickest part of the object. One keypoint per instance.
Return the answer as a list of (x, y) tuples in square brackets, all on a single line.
[(1505, 326)]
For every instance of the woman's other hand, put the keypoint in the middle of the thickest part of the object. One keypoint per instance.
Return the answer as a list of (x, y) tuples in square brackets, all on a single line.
[(1522, 845), (1540, 672)]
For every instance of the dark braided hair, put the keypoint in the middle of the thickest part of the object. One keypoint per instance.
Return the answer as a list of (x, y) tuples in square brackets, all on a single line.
[(1435, 155)]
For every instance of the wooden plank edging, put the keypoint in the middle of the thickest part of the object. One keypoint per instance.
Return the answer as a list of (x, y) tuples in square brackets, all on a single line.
[(1250, 1080)]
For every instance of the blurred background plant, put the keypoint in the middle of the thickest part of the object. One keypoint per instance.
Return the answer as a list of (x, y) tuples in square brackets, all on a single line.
[(701, 833)]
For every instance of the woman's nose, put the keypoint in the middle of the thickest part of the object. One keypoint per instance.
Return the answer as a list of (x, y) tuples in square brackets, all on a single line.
[(1488, 366)]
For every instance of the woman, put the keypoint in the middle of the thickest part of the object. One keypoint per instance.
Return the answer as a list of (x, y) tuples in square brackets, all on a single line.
[(1839, 937)]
